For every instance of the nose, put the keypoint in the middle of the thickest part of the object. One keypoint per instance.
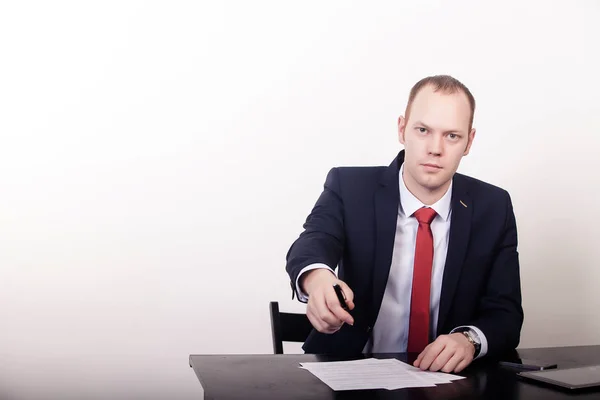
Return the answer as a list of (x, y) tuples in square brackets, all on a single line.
[(436, 145)]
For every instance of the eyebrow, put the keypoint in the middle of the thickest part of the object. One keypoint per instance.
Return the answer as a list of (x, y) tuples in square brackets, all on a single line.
[(419, 123)]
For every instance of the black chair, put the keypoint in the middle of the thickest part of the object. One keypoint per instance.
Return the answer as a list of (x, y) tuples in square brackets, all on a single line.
[(287, 327)]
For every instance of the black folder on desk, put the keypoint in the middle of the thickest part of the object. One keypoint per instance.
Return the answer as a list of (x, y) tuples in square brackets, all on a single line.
[(568, 378)]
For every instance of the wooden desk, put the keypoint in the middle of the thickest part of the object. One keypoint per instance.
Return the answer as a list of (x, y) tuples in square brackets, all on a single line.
[(278, 377)]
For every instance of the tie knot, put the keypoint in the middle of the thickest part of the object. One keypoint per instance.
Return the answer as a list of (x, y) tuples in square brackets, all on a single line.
[(425, 215)]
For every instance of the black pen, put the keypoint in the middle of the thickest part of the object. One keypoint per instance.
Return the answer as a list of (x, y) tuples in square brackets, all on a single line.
[(341, 297)]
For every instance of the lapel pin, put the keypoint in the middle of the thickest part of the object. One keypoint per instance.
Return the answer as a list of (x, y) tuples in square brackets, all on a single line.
[(461, 202)]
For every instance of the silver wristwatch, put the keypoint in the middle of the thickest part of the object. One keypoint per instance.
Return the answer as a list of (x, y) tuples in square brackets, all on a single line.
[(474, 340)]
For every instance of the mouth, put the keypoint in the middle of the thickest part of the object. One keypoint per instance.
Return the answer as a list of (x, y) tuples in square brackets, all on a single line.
[(431, 166)]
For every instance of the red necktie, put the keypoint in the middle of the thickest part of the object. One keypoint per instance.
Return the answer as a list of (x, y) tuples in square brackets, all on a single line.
[(418, 330)]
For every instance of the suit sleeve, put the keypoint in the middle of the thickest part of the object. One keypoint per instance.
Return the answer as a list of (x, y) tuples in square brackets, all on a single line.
[(500, 311), (322, 241)]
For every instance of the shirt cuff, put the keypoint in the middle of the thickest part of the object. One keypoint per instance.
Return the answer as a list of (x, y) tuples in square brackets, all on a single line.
[(303, 297), (479, 334)]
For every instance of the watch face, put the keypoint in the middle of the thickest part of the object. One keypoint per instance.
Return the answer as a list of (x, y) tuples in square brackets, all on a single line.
[(472, 339), (473, 336)]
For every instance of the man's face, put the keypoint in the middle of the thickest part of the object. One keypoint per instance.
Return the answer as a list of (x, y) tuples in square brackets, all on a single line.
[(435, 137)]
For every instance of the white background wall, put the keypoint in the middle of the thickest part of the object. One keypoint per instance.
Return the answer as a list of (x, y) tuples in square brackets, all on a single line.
[(157, 159)]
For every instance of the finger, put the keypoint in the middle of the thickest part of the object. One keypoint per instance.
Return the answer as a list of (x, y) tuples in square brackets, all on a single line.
[(334, 306), (320, 316), (421, 355), (322, 325), (441, 360), (348, 293), (315, 322), (433, 351), (418, 360), (330, 320), (311, 313), (453, 362), (463, 364)]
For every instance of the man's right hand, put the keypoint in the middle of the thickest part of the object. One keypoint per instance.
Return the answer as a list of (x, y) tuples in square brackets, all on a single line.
[(324, 309)]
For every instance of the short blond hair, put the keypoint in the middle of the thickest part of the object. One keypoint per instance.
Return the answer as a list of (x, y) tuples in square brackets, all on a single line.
[(445, 84)]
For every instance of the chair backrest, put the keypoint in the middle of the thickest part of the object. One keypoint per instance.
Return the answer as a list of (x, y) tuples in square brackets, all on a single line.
[(287, 327)]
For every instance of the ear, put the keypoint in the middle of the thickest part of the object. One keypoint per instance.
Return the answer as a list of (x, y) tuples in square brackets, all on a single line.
[(401, 128), (470, 142)]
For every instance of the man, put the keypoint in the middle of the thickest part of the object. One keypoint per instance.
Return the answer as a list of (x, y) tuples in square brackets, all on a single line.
[(427, 257)]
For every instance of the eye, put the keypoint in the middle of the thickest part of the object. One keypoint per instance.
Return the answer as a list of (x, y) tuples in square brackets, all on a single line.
[(422, 130), (453, 136)]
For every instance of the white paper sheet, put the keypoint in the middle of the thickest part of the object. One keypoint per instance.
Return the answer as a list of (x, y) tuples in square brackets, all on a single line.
[(373, 373)]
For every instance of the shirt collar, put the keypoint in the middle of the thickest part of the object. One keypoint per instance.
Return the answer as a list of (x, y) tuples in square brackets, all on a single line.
[(409, 203)]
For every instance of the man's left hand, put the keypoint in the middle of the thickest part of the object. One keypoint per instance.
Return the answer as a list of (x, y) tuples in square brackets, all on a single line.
[(448, 353)]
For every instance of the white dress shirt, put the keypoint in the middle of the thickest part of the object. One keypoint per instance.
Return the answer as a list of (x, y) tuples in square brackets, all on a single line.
[(390, 332)]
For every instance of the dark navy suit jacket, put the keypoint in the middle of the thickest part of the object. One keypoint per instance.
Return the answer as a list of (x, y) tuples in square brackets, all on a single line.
[(353, 226)]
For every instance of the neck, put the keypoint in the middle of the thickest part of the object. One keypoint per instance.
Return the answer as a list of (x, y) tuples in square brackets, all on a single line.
[(425, 195)]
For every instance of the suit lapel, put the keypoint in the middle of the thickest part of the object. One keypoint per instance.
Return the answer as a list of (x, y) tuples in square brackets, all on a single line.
[(386, 200), (460, 229)]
